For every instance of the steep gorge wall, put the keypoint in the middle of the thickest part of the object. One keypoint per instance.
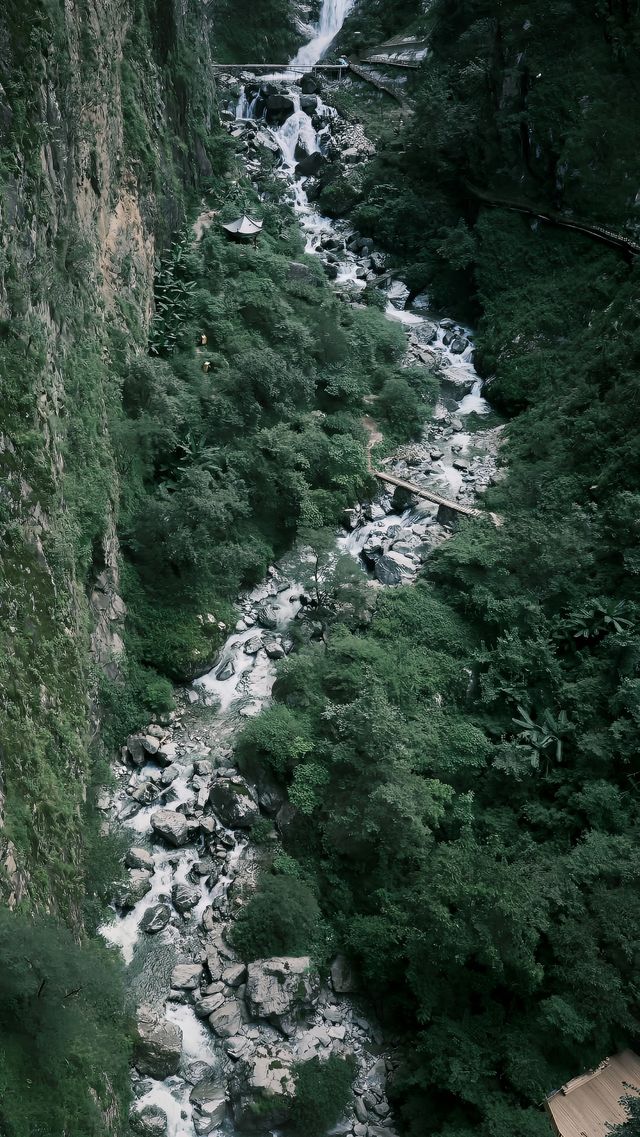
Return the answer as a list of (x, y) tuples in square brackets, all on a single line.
[(107, 113)]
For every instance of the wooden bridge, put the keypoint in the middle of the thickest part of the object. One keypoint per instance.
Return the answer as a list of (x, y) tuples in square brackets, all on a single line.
[(420, 491), (616, 240), (286, 68)]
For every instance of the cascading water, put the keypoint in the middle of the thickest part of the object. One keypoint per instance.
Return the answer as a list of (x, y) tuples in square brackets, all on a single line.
[(332, 17)]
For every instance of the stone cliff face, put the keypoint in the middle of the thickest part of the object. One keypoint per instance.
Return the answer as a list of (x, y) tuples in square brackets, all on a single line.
[(106, 110)]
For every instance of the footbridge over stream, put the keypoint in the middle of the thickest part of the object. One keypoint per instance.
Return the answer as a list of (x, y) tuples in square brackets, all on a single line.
[(428, 495)]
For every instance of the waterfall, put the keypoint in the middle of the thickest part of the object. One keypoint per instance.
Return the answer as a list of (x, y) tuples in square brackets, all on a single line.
[(242, 107), (332, 17), (298, 128)]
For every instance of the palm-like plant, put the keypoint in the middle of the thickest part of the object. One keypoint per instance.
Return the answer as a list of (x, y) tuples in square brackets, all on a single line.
[(597, 617), (543, 735)]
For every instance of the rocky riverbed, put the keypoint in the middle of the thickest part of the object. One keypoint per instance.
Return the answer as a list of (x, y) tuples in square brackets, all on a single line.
[(218, 1036)]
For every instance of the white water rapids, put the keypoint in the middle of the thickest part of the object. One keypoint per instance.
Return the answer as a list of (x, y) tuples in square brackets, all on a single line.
[(240, 683)]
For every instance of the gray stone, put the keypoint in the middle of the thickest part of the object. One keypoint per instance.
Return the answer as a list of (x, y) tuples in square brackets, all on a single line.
[(267, 617), (149, 1120), (139, 885), (460, 464), (155, 918), (186, 976), (226, 670), (226, 1020), (235, 802), (141, 747), (184, 897), (172, 826), (387, 571), (253, 646), (282, 990), (458, 345), (158, 1044), (234, 974), (137, 858), (196, 1071), (274, 650), (210, 1003), (169, 774), (343, 979)]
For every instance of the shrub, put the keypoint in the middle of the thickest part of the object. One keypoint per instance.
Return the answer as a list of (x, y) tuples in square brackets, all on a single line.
[(323, 1091), (281, 918)]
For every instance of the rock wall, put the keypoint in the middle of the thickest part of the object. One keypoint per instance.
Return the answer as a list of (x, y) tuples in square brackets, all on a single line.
[(103, 138)]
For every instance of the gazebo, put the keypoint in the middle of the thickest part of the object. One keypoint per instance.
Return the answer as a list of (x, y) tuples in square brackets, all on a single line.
[(586, 1106), (243, 229)]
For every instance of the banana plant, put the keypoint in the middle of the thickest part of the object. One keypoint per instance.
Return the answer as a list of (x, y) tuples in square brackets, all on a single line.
[(543, 735), (597, 617)]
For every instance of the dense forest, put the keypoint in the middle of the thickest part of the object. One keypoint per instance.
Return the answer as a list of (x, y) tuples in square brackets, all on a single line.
[(460, 755)]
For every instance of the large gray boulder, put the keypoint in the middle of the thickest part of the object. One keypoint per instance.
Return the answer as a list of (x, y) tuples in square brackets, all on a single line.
[(310, 166), (173, 827), (227, 1019), (184, 897), (142, 747), (388, 571), (138, 858), (235, 802), (155, 918), (343, 978), (158, 1044), (149, 1120), (138, 885), (282, 990), (262, 1090)]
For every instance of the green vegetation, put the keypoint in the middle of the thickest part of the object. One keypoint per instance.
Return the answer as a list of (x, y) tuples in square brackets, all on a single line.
[(63, 1031), (630, 1127), (255, 33), (281, 918), (323, 1091)]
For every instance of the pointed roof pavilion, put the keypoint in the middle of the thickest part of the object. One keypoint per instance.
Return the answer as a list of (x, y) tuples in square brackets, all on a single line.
[(244, 226)]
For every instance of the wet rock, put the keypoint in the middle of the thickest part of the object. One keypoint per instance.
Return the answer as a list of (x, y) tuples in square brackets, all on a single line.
[(226, 670), (309, 103), (203, 768), (155, 919), (282, 990), (310, 166), (138, 858), (253, 646), (226, 1020), (387, 571), (169, 774), (149, 1120), (145, 793), (274, 650), (196, 1071), (458, 345), (236, 1046), (158, 1044), (138, 885), (267, 617), (235, 802), (262, 1089), (186, 976), (208, 1096), (460, 464), (184, 897), (343, 979), (436, 455), (279, 107), (172, 826), (310, 85)]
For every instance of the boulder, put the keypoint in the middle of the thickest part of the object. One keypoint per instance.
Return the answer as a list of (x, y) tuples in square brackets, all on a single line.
[(210, 1003), (343, 979), (141, 747), (149, 1120), (138, 885), (184, 897), (304, 274), (309, 103), (274, 650), (310, 166), (208, 1096), (253, 646), (169, 774), (234, 974), (172, 826), (267, 617), (282, 990), (387, 571), (310, 85), (226, 1020), (138, 858), (226, 670), (186, 976), (262, 1090), (155, 919), (278, 108), (235, 802), (158, 1044)]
